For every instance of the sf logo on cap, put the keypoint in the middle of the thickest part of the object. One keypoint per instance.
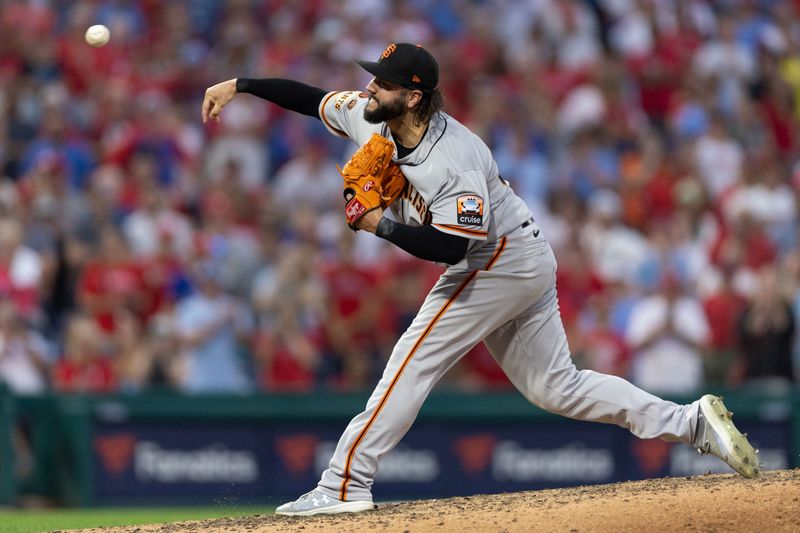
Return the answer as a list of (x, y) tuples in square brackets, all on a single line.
[(389, 50)]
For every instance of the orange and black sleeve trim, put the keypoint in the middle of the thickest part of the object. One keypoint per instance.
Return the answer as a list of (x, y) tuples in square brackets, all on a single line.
[(469, 232), (325, 120)]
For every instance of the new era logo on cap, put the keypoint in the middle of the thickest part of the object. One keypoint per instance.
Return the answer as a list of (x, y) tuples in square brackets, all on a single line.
[(409, 65)]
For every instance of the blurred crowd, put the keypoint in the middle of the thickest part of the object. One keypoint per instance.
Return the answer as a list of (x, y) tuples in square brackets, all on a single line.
[(656, 142)]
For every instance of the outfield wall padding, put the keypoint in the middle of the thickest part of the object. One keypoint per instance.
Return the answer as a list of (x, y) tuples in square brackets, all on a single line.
[(171, 449)]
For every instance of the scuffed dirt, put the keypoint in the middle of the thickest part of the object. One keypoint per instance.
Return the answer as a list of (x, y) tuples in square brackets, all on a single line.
[(712, 503)]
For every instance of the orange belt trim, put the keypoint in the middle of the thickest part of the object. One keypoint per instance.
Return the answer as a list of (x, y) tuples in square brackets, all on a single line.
[(459, 229), (325, 119), (351, 453)]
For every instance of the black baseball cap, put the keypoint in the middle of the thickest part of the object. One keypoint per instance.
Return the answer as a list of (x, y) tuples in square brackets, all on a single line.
[(405, 64)]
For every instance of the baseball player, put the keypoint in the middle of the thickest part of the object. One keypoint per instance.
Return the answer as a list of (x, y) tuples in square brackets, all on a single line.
[(499, 287)]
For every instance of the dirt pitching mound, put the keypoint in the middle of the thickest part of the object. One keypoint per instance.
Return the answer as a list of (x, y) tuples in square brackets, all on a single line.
[(711, 503)]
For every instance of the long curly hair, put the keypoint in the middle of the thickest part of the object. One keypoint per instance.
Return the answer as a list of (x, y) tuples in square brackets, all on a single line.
[(430, 104)]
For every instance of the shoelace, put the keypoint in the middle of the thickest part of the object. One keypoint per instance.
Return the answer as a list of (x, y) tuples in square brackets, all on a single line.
[(306, 496)]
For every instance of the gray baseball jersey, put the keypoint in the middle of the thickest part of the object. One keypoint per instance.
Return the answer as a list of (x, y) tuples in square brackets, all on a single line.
[(503, 293)]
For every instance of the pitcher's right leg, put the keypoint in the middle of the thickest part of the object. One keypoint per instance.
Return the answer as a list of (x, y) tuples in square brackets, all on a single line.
[(445, 328)]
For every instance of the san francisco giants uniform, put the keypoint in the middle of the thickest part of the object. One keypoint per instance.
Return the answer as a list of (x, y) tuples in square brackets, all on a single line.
[(503, 293)]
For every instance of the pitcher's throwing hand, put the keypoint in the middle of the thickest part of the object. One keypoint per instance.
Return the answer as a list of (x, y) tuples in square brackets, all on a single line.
[(216, 98)]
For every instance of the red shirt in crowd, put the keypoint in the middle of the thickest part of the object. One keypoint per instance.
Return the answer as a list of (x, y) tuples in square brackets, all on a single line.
[(106, 286), (352, 290), (95, 375), (723, 309)]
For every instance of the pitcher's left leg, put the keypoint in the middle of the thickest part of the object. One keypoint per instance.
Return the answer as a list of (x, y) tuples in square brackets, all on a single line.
[(533, 352)]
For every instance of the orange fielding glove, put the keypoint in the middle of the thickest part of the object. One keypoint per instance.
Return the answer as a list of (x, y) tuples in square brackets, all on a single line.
[(371, 179)]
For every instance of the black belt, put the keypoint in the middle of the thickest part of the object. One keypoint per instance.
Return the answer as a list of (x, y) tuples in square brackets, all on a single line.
[(527, 223)]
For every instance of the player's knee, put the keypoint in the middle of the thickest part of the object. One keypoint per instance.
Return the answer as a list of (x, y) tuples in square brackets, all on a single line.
[(558, 388)]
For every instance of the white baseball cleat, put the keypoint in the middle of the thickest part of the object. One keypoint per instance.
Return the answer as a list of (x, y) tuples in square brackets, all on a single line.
[(315, 502), (717, 435)]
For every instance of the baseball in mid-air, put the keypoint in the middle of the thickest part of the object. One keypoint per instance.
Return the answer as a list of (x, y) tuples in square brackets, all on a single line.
[(97, 35)]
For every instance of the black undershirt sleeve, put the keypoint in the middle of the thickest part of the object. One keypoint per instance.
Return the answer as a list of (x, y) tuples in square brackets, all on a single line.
[(425, 242), (289, 94)]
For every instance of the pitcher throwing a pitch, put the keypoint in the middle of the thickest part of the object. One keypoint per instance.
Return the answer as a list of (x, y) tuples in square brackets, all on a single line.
[(449, 204)]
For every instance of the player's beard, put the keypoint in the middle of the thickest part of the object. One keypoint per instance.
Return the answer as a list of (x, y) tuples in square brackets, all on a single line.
[(385, 111)]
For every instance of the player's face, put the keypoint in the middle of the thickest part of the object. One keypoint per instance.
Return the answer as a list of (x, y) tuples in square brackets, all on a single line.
[(387, 101)]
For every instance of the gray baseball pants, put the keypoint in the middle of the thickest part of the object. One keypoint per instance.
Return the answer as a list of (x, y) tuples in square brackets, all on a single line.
[(490, 300)]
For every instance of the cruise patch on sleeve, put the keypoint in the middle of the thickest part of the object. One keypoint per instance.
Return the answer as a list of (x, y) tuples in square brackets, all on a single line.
[(470, 210)]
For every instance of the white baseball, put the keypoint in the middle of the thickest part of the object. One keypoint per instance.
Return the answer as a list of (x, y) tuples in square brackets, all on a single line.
[(97, 35)]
